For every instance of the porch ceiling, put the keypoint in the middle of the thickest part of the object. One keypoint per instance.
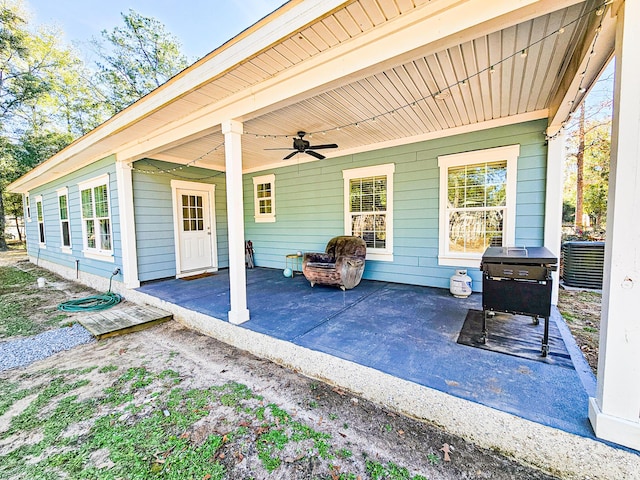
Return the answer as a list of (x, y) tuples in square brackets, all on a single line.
[(510, 74), (363, 74)]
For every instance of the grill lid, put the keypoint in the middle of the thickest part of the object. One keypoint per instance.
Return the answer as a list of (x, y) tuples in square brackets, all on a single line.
[(519, 255)]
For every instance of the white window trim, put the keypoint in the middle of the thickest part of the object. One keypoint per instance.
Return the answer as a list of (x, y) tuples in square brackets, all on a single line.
[(96, 253), (38, 200), (264, 217), (509, 153), (65, 249), (27, 207), (388, 169)]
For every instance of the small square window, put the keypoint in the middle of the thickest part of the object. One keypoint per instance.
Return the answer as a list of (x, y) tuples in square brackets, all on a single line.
[(264, 198)]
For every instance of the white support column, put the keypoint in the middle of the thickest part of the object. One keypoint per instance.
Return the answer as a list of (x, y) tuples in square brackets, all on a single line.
[(553, 203), (615, 413), (127, 226), (232, 131)]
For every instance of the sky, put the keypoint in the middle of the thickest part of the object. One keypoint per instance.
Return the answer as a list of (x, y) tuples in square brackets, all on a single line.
[(200, 25)]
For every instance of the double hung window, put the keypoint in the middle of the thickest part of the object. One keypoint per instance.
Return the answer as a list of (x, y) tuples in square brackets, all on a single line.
[(40, 218), (27, 207), (477, 203), (369, 208), (96, 216), (65, 226)]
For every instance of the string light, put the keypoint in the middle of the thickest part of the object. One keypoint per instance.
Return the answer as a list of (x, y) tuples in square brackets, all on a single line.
[(440, 94), (581, 87), (446, 91), (159, 171)]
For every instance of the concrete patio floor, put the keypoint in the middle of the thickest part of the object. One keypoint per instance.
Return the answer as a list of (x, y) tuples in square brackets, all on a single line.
[(408, 332)]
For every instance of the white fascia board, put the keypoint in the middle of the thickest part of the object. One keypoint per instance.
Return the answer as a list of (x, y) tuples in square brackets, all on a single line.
[(454, 21)]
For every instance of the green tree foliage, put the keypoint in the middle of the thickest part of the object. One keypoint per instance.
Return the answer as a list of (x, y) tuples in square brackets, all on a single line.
[(595, 165), (18, 85), (72, 104), (32, 66), (49, 97), (586, 175), (136, 59), (20, 79), (18, 158)]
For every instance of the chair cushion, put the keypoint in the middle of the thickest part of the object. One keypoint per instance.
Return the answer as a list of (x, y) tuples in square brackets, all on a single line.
[(328, 266), (319, 258)]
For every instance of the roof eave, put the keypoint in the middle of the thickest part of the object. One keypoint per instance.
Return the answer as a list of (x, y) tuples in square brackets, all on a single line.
[(284, 21)]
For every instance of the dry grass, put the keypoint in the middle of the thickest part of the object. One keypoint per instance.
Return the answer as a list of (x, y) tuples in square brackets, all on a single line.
[(581, 310)]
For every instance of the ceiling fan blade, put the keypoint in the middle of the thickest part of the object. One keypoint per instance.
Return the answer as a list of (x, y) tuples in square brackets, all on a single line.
[(279, 149), (315, 154), (290, 155), (318, 147)]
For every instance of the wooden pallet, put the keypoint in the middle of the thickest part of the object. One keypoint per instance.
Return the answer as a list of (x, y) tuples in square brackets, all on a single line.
[(118, 321)]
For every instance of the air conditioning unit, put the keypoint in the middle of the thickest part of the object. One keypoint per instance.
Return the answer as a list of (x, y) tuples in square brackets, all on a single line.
[(583, 264)]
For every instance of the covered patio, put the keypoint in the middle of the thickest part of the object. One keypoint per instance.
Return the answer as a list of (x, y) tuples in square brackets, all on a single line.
[(376, 78), (409, 332)]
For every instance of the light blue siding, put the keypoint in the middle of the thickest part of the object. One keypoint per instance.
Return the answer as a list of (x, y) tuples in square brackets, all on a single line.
[(153, 210), (52, 251), (310, 203), (309, 208)]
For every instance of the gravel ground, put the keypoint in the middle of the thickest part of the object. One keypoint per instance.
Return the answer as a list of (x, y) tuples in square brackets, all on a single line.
[(25, 351)]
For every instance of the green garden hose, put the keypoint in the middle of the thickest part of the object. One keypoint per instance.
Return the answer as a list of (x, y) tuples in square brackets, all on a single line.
[(93, 302)]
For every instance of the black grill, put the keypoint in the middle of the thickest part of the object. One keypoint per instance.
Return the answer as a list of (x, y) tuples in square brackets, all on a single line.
[(518, 280)]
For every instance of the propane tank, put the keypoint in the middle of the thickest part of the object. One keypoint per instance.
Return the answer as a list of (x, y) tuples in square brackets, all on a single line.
[(460, 284)]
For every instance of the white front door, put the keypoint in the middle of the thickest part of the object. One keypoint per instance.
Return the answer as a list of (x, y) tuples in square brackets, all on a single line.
[(195, 246)]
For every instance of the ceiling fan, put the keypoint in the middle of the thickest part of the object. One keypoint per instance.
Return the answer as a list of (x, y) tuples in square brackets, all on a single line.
[(300, 145)]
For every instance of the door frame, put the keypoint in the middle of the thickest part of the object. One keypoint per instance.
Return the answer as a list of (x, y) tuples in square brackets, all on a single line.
[(210, 190)]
